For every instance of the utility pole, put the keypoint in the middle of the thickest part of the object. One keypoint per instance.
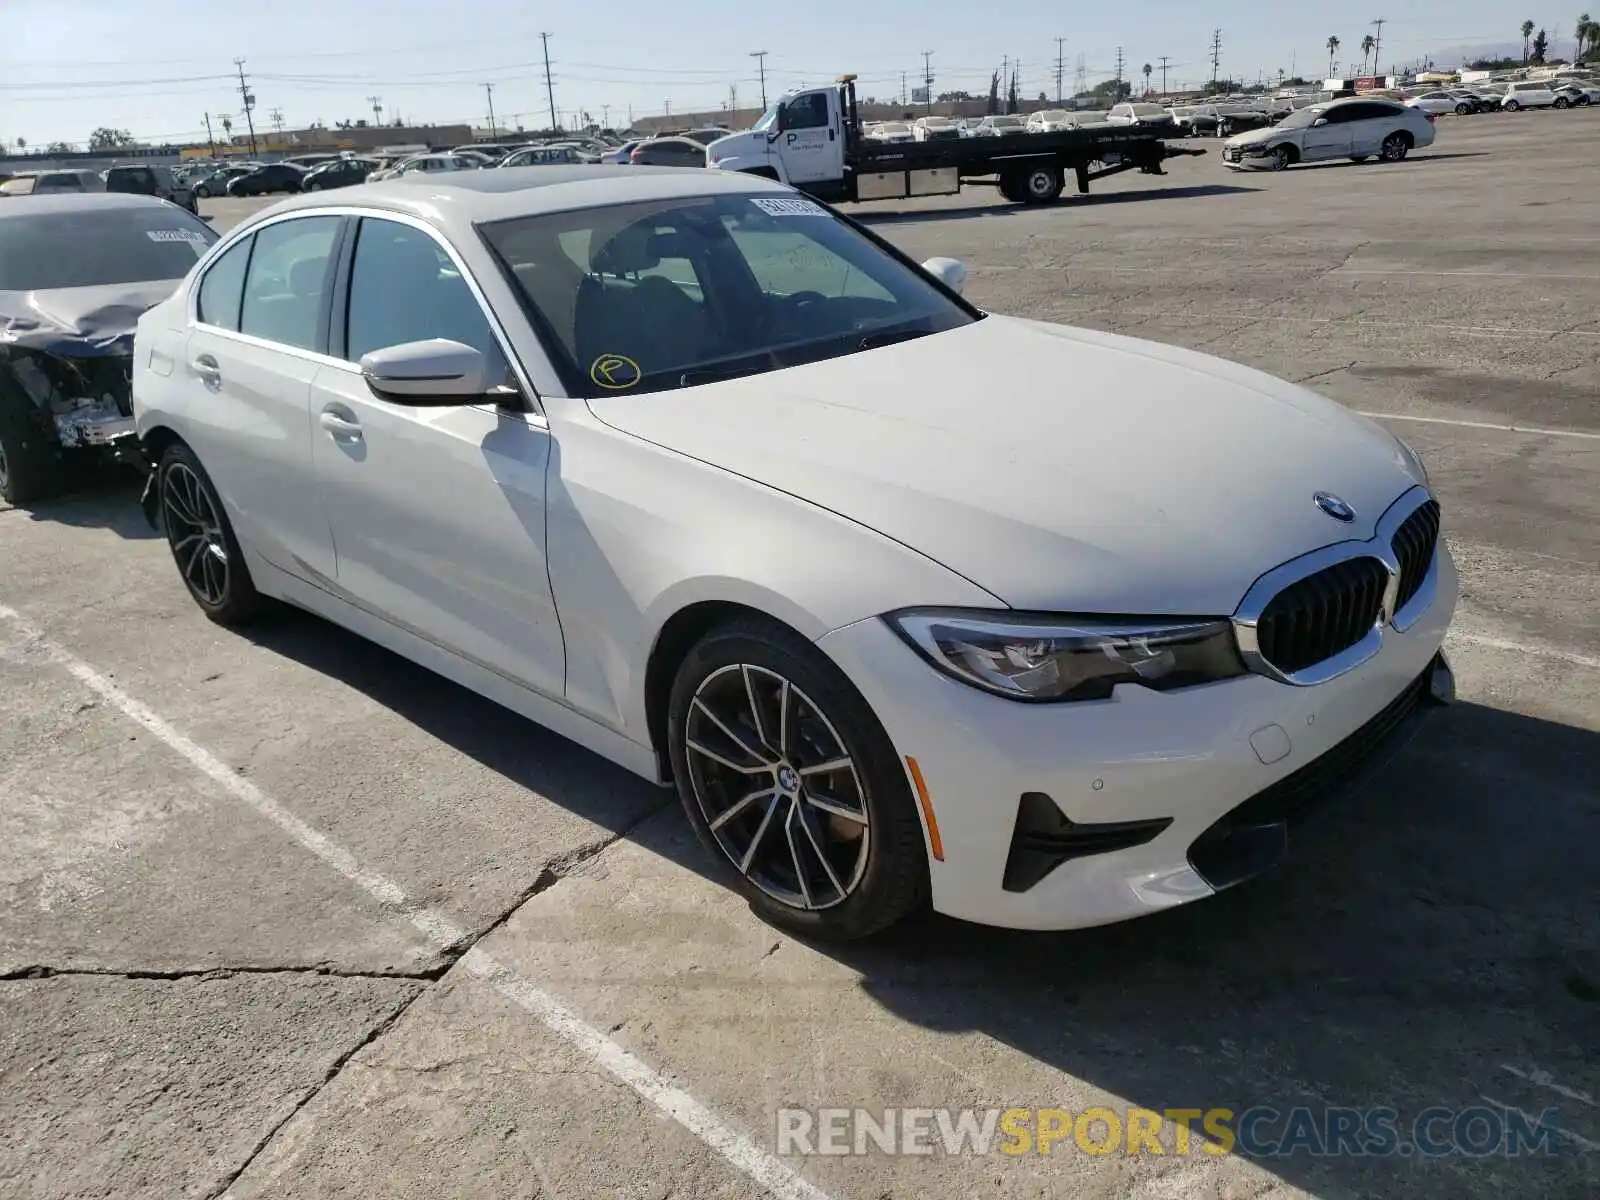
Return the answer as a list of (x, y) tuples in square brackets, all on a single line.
[(211, 141), (1060, 68), (488, 90), (249, 105), (1121, 62), (549, 88), (927, 76), (276, 116), (1216, 56), (377, 109), (605, 116), (1164, 74), (761, 65), (1377, 43), (902, 89)]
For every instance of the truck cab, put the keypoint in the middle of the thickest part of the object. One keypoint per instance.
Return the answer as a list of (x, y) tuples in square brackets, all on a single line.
[(801, 140)]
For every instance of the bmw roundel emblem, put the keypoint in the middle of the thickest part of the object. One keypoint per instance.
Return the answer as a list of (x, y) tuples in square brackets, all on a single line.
[(1334, 507)]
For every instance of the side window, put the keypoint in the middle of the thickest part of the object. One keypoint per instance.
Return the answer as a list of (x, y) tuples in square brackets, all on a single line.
[(223, 287), (284, 288), (808, 112), (405, 288)]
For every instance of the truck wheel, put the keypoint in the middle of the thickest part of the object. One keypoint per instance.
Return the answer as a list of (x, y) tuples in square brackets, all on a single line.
[(29, 461), (1008, 187), (1041, 185)]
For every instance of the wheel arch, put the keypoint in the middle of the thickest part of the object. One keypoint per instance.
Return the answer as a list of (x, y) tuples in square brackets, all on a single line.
[(677, 636)]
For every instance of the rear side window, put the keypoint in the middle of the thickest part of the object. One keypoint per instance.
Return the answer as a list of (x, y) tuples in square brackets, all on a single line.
[(222, 289), (286, 282)]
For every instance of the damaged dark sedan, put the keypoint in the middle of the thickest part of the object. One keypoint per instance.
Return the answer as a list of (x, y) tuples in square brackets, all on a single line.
[(76, 273)]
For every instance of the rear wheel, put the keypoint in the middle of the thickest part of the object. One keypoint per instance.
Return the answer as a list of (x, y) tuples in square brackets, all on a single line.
[(1512, 106), (1041, 185), (787, 776), (1562, 102), (1462, 110), (1395, 147), (201, 539)]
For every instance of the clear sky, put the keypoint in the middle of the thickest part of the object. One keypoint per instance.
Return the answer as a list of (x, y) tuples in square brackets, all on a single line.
[(155, 66)]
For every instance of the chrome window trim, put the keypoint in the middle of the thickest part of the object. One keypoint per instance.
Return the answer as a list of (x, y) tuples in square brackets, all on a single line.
[(536, 414), (1246, 618)]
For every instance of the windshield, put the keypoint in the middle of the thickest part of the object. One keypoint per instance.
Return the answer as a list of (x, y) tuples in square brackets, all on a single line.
[(769, 119), (1300, 118), (85, 249), (663, 294)]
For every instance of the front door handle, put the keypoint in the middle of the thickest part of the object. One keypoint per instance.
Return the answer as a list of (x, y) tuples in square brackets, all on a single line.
[(342, 429)]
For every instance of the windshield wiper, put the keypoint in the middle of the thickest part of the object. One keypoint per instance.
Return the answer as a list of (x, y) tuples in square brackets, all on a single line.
[(715, 374), (871, 341)]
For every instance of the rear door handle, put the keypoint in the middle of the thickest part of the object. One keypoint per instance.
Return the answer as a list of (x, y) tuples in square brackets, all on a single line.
[(206, 368), (343, 430)]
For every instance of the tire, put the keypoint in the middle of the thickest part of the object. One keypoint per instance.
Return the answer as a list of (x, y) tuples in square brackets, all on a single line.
[(312, 186), (1511, 106), (30, 462), (202, 191), (870, 837), (1282, 158), (1395, 148), (1462, 110), (1562, 102), (1008, 188), (1041, 185), (201, 539)]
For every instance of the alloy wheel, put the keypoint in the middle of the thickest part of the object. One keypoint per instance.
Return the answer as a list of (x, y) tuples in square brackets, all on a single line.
[(779, 790), (1394, 148), (195, 534)]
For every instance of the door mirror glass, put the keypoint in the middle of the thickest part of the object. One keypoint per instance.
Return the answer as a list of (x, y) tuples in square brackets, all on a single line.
[(949, 271), (432, 372), (1319, 122)]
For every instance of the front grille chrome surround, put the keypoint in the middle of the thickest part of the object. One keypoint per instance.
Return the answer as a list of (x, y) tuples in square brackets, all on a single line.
[(1381, 546)]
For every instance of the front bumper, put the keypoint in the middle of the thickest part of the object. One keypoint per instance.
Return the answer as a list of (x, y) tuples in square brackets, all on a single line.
[(1162, 789)]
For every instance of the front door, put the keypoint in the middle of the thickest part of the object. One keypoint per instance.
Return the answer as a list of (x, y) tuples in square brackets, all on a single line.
[(437, 514), (809, 138)]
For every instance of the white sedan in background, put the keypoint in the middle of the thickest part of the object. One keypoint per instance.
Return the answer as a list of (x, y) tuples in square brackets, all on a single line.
[(1049, 120), (1356, 129), (933, 129), (1439, 103), (725, 522)]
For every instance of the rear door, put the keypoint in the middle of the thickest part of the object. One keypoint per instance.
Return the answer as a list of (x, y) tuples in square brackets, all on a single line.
[(437, 514), (1371, 122), (258, 336)]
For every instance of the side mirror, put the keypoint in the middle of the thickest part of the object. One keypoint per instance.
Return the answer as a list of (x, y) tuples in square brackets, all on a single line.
[(949, 271), (1319, 122), (429, 373)]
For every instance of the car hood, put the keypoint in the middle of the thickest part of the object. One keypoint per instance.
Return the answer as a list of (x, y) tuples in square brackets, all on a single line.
[(1057, 468), (1256, 137), (79, 322)]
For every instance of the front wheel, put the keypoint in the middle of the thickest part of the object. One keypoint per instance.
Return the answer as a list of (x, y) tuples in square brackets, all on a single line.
[(203, 192), (1561, 102), (788, 777), (1395, 147), (202, 541), (30, 464), (1282, 159)]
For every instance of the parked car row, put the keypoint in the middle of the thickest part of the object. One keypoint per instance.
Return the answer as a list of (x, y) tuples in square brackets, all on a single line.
[(133, 179), (1513, 97)]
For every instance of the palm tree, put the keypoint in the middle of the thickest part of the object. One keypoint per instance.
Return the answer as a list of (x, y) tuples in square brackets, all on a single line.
[(1527, 33), (1147, 68), (1333, 48), (1368, 45), (1588, 34)]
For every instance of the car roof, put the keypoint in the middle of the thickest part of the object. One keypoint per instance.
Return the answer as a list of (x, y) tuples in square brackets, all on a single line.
[(456, 201), (65, 202)]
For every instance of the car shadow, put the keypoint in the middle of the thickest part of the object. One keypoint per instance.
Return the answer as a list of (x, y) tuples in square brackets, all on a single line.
[(1373, 162), (1434, 940), (981, 211), (102, 497)]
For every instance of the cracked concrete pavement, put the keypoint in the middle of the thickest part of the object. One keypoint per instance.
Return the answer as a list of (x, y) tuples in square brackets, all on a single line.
[(193, 1004)]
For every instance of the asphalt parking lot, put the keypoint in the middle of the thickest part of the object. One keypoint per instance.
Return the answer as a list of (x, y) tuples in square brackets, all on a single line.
[(286, 916)]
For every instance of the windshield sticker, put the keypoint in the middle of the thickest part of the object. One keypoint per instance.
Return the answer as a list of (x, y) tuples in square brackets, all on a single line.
[(775, 207), (195, 240), (615, 371)]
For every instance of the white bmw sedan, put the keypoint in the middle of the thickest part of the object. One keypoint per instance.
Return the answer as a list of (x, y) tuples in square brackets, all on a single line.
[(911, 603)]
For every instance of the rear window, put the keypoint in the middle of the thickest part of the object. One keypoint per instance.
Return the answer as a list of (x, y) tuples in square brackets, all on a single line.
[(43, 251)]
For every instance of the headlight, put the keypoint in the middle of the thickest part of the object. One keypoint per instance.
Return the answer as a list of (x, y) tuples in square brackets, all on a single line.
[(1415, 459), (1057, 658)]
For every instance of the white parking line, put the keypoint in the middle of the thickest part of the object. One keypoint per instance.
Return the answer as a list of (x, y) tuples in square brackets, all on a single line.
[(1577, 1139), (1532, 429), (1546, 1080), (738, 1150), (1537, 649)]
